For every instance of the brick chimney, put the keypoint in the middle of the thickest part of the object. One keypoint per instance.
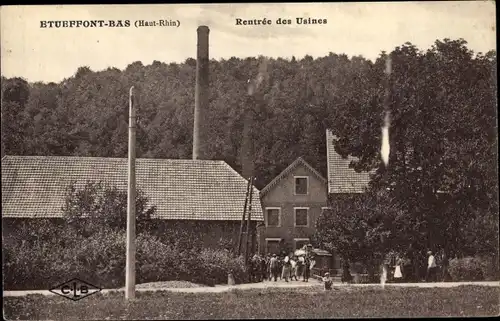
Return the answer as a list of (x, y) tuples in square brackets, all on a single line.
[(201, 94)]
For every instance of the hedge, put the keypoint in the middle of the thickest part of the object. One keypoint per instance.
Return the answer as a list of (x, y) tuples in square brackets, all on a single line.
[(100, 260), (477, 268)]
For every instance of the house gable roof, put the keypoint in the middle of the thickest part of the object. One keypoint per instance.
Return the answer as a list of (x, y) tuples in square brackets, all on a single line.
[(342, 178), (286, 171), (34, 186)]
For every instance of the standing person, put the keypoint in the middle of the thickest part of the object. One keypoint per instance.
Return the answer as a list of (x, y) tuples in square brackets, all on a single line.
[(406, 269), (268, 267), (273, 263), (307, 268), (346, 273), (431, 267), (286, 269), (300, 267), (398, 275), (280, 266), (254, 265), (293, 270), (258, 267), (263, 268), (444, 267)]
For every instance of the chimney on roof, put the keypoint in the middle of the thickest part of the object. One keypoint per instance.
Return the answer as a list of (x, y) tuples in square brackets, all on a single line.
[(201, 94)]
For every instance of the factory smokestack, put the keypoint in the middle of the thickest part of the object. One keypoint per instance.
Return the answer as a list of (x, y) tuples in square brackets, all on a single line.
[(201, 94)]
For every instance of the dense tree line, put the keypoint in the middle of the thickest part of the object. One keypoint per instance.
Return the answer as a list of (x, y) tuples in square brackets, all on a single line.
[(443, 130)]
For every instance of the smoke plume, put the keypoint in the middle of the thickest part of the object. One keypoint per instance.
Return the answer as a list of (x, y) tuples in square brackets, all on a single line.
[(254, 84), (385, 149)]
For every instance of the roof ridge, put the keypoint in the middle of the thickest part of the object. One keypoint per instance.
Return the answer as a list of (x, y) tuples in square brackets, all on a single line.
[(110, 158), (287, 170)]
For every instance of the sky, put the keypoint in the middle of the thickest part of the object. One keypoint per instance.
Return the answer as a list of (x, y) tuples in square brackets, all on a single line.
[(52, 54)]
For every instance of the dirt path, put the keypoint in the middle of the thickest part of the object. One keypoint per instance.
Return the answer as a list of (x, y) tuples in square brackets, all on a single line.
[(267, 284)]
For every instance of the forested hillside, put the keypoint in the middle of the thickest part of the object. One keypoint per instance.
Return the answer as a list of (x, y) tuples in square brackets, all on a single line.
[(442, 97)]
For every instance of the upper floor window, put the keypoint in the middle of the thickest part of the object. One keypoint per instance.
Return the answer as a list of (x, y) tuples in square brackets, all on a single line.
[(301, 185), (273, 216), (301, 216)]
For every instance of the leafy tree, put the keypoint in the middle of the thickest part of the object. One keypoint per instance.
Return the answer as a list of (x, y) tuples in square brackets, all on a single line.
[(360, 227), (15, 96), (443, 138), (97, 206)]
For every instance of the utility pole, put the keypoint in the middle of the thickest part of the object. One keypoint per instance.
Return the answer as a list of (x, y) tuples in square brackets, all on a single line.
[(130, 265)]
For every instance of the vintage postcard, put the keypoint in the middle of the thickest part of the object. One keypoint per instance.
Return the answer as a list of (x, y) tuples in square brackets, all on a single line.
[(242, 161)]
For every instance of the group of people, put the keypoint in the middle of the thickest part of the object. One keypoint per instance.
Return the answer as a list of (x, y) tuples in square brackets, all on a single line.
[(273, 267), (436, 268)]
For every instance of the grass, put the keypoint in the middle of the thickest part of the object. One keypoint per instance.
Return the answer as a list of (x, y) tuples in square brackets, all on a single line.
[(313, 302)]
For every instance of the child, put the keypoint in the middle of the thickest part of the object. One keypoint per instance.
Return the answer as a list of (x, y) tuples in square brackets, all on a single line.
[(327, 281)]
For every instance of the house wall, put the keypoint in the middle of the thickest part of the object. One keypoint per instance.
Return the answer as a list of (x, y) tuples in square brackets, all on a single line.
[(210, 234), (283, 196)]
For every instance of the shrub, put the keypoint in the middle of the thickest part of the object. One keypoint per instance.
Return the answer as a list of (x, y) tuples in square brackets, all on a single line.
[(100, 260), (490, 267), (42, 264), (156, 261), (217, 264), (466, 269)]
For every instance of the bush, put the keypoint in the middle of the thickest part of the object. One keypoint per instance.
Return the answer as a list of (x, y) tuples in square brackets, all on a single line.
[(490, 268), (217, 264), (42, 264), (100, 260), (466, 269), (158, 261)]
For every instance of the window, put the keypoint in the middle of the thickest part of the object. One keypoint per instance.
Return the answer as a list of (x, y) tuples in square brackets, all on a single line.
[(299, 243), (324, 209), (301, 185), (273, 216), (301, 216), (273, 246)]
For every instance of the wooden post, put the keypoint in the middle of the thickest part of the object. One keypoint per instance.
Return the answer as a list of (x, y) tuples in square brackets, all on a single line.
[(243, 218), (130, 255), (249, 218)]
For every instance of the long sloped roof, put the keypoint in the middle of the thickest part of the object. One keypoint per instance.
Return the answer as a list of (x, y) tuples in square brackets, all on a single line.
[(342, 178), (34, 186)]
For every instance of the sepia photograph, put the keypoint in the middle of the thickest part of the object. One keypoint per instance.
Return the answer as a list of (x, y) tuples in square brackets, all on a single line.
[(249, 161)]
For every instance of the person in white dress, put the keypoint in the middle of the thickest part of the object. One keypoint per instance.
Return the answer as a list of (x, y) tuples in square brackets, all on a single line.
[(398, 276)]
